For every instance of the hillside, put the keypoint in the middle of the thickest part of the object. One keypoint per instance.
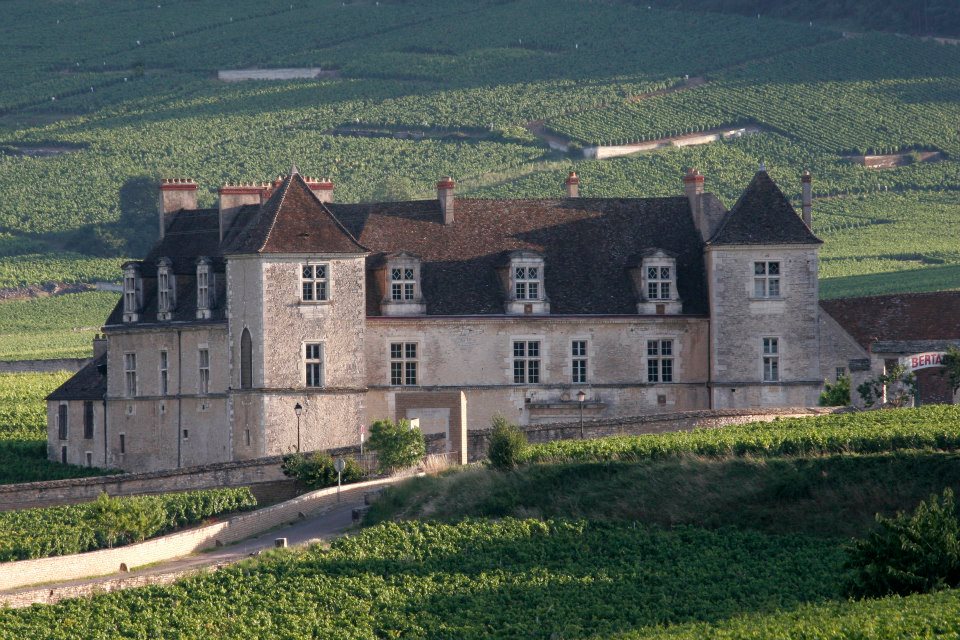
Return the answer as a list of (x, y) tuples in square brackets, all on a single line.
[(102, 99)]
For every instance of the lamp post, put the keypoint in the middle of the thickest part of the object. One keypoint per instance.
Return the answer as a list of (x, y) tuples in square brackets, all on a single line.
[(581, 396), (297, 409)]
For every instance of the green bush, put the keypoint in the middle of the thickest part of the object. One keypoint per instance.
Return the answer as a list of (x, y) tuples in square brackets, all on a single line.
[(507, 444), (908, 553), (836, 394), (398, 445), (316, 470)]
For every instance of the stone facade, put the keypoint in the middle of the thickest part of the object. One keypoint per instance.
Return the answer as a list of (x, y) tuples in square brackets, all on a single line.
[(285, 320)]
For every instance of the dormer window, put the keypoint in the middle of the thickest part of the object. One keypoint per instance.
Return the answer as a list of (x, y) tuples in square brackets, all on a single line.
[(526, 292), (655, 277), (204, 289), (166, 289), (401, 285), (132, 292)]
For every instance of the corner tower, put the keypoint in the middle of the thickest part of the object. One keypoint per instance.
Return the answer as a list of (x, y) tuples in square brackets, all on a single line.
[(762, 265)]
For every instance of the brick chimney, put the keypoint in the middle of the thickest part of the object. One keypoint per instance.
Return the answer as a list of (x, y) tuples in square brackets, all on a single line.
[(321, 187), (445, 190), (693, 188), (573, 185), (175, 194), (234, 196), (806, 184)]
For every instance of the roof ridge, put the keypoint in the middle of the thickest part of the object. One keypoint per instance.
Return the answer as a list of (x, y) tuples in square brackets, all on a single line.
[(339, 224), (276, 214)]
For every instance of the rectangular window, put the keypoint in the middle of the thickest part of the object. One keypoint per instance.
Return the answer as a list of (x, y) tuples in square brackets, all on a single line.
[(771, 359), (164, 287), (659, 283), (164, 373), (203, 289), (63, 455), (403, 363), (87, 420), (314, 364), (314, 282), (130, 293), (123, 443), (527, 283), (766, 279), (203, 378), (63, 426), (578, 351), (659, 360), (402, 284), (840, 373), (89, 457), (526, 362), (130, 374)]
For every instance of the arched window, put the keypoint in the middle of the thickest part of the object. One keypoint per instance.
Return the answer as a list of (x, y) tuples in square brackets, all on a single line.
[(246, 360)]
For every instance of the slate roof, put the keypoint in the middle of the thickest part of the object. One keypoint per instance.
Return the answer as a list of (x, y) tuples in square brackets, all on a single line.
[(90, 383), (763, 215), (588, 245), (293, 220), (189, 235), (898, 317)]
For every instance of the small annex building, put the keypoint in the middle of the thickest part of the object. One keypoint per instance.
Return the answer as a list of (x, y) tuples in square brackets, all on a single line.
[(445, 310)]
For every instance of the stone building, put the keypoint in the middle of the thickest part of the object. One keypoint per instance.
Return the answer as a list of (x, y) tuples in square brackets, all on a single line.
[(443, 309)]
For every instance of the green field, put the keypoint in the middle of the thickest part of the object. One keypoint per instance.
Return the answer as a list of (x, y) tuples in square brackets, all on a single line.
[(89, 124)]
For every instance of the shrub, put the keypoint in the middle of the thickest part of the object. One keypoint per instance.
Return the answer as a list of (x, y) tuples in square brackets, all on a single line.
[(507, 444), (909, 553), (836, 394), (316, 470), (398, 445)]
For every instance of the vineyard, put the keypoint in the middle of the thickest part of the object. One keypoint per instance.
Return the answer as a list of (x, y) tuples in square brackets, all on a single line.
[(53, 327), (932, 427), (110, 522)]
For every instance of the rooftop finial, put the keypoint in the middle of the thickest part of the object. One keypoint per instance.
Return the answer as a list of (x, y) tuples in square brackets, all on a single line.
[(763, 166), (294, 171)]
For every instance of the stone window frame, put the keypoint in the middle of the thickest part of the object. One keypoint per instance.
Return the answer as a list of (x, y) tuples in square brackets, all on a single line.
[(130, 381), (525, 283), (88, 458), (163, 368), (840, 372), (132, 292), (166, 289), (401, 360), (576, 358), (771, 354), (766, 281), (203, 370), (123, 442), (660, 360), (63, 420), (524, 359), (314, 280), (659, 263), (309, 361), (404, 288)]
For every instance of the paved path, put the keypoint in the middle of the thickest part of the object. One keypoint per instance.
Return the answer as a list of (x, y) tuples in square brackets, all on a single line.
[(319, 528)]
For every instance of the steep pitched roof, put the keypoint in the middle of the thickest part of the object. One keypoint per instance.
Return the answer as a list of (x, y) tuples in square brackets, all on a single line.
[(898, 317), (189, 235), (90, 383), (589, 245), (763, 215), (293, 220)]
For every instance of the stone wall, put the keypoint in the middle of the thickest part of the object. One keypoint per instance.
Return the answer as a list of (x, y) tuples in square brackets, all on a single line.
[(262, 475), (121, 559), (479, 440), (43, 366)]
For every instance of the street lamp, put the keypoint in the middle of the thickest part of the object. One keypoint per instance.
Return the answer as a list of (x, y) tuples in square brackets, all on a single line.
[(297, 409), (581, 396)]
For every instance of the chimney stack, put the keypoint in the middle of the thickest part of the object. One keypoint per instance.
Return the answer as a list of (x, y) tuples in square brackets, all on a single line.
[(806, 184), (234, 196), (322, 188), (175, 194), (445, 195), (99, 345), (573, 185), (693, 188)]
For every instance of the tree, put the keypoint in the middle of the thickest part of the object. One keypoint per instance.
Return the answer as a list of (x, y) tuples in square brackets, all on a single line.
[(901, 386), (507, 444), (836, 394), (951, 365), (398, 445)]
